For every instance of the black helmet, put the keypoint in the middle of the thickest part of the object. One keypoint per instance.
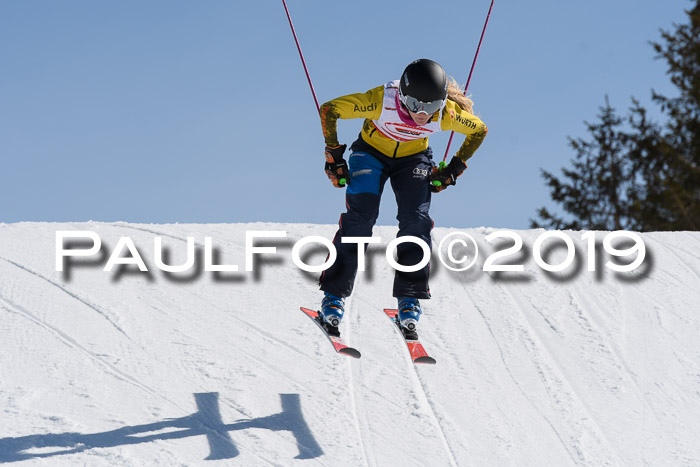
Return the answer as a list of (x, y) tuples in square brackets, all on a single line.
[(423, 81)]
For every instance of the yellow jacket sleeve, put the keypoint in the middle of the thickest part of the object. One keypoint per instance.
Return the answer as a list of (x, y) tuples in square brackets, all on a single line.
[(454, 118), (361, 105)]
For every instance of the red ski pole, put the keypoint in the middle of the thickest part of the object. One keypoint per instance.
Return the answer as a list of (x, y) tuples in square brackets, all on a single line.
[(342, 181), (303, 62), (442, 164)]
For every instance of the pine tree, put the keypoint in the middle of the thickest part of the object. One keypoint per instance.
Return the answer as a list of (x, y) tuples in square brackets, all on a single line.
[(648, 176), (679, 148), (595, 194)]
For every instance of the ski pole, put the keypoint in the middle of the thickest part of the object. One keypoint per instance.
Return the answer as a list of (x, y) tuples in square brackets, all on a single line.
[(452, 134), (301, 55), (342, 181)]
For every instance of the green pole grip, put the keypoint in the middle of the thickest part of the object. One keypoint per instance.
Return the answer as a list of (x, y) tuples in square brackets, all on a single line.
[(441, 166), (342, 182)]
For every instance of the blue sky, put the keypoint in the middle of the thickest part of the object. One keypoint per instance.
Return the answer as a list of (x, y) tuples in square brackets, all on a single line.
[(183, 111)]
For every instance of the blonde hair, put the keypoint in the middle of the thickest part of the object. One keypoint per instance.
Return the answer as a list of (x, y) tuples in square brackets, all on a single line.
[(454, 93)]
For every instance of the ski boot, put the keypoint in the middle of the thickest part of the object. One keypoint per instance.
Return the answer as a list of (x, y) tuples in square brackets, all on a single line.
[(331, 313), (408, 316)]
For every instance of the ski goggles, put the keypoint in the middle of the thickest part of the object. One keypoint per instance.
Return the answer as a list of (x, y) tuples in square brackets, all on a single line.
[(417, 107)]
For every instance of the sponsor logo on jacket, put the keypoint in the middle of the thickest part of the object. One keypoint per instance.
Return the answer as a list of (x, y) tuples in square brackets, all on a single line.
[(365, 108), (465, 121)]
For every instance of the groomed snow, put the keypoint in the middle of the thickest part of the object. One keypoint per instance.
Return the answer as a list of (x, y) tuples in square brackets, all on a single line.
[(199, 368)]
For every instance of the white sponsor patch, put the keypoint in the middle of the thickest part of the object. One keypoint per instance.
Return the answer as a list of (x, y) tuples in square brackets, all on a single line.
[(361, 172), (420, 172)]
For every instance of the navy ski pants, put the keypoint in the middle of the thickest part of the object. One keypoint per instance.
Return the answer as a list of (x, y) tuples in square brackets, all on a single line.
[(409, 181)]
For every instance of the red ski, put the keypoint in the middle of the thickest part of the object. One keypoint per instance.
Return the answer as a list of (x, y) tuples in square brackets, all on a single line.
[(337, 342), (415, 348)]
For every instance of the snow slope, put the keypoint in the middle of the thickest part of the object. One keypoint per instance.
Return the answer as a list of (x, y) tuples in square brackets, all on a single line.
[(202, 368)]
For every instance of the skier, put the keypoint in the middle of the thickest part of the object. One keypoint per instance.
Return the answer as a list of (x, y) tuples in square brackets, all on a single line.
[(393, 145)]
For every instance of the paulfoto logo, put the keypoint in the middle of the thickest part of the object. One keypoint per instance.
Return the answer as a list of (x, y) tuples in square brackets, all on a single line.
[(458, 251)]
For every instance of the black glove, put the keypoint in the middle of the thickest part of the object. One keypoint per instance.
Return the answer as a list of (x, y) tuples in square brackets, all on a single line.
[(443, 177), (336, 167)]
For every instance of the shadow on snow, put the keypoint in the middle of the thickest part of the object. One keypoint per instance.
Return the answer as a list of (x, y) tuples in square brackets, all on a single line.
[(205, 422)]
